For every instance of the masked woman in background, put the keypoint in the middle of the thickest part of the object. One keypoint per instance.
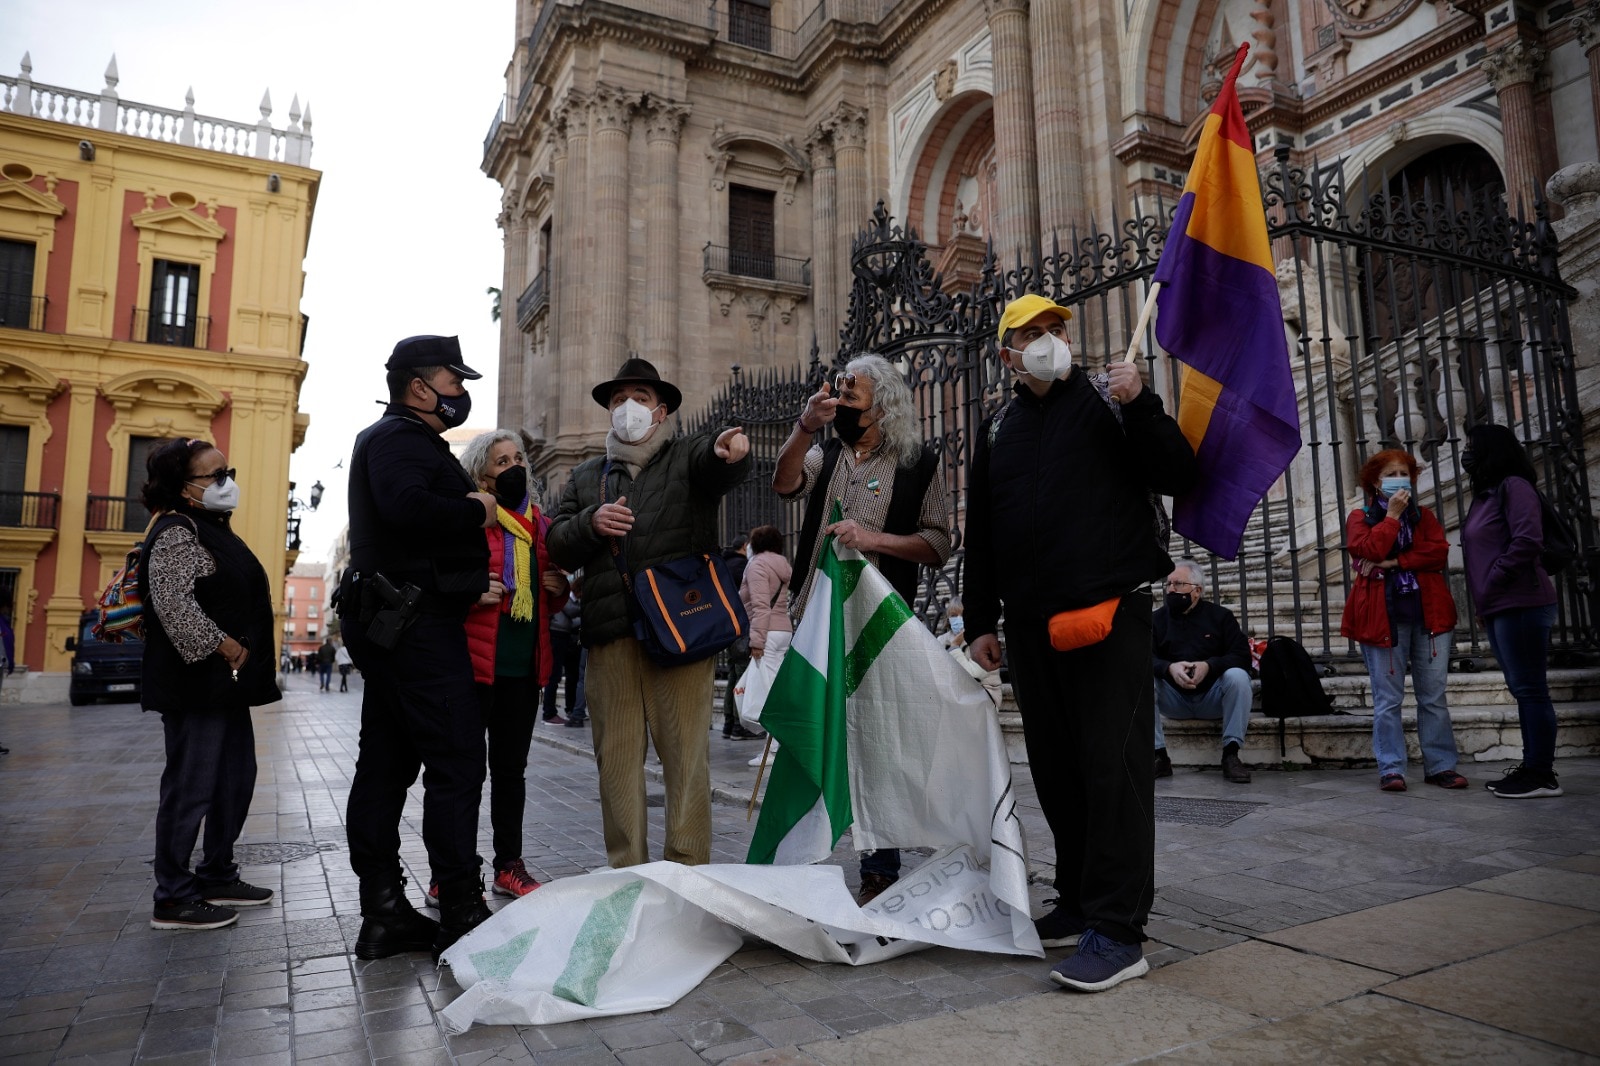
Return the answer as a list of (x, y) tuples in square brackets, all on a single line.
[(208, 658), (508, 633), (1401, 613)]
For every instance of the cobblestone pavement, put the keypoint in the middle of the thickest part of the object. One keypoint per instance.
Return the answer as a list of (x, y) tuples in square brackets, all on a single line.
[(1253, 879)]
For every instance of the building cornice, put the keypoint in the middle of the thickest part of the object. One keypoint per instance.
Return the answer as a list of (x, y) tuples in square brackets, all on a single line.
[(1439, 45)]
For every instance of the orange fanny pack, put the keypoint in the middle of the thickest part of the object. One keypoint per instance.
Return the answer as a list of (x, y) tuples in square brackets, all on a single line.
[(1083, 627)]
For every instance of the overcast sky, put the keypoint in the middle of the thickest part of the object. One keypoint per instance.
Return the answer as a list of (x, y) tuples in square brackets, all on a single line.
[(401, 93)]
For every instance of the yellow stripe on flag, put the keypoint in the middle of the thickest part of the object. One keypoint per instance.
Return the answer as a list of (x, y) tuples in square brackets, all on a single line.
[(1227, 213), (1197, 399)]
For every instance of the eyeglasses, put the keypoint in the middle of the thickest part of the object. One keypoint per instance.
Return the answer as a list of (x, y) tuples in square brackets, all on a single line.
[(216, 477), (1181, 586), (841, 382)]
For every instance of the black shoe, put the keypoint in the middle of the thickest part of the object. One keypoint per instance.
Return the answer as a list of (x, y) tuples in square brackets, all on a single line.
[(1232, 769), (577, 723), (873, 886), (741, 733), (461, 910), (1163, 763), (195, 914), (237, 893), (1522, 782), (390, 925), (1058, 929)]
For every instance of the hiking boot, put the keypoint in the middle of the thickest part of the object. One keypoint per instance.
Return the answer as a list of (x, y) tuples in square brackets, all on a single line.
[(1163, 763), (461, 910), (1099, 963), (194, 914), (514, 880), (1523, 782), (1232, 769), (873, 886), (237, 893), (1446, 779), (390, 925), (1392, 783), (1058, 929)]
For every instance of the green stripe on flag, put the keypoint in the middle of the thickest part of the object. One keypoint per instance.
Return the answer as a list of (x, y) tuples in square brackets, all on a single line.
[(892, 613), (597, 942)]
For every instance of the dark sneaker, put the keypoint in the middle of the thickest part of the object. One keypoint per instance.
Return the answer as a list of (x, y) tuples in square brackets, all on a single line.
[(514, 880), (1163, 763), (873, 886), (1525, 783), (1100, 963), (740, 732), (1446, 779), (237, 894), (1058, 929), (555, 719), (1233, 770), (195, 914), (577, 723), (1392, 783)]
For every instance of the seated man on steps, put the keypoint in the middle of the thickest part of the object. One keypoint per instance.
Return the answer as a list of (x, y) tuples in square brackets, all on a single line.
[(1199, 663)]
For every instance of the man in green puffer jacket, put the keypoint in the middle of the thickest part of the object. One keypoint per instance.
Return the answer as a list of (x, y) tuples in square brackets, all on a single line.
[(661, 503)]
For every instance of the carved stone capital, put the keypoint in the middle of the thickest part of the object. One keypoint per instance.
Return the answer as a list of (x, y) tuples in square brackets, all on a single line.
[(848, 126), (1585, 23), (663, 119), (819, 149), (611, 108), (1513, 64), (570, 118), (991, 8)]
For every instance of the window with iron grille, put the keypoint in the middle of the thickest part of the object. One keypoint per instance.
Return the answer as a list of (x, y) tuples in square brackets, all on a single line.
[(750, 23), (750, 231), (16, 284), (13, 473), (174, 303), (134, 516)]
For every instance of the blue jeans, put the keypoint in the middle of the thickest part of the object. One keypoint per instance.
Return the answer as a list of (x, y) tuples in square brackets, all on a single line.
[(1520, 639), (1227, 699), (1427, 659)]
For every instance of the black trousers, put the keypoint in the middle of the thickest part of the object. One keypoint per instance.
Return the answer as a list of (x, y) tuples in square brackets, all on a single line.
[(565, 649), (737, 665), (419, 711), (510, 706), (210, 775), (1088, 719)]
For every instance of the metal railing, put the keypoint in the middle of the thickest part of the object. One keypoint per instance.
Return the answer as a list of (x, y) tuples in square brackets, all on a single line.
[(720, 259), (30, 510), (292, 540), (535, 298), (116, 514), (22, 312), (160, 327)]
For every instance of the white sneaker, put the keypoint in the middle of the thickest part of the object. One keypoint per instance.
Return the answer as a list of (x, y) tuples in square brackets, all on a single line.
[(764, 755)]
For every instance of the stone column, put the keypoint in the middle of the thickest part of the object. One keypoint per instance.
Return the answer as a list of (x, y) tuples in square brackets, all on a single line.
[(1586, 23), (663, 123), (512, 344), (1016, 216), (570, 345), (1265, 36), (610, 114), (1511, 69), (826, 287), (1057, 119), (848, 127)]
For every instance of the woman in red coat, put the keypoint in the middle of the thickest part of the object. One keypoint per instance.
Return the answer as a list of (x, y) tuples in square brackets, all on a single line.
[(508, 634), (1402, 614)]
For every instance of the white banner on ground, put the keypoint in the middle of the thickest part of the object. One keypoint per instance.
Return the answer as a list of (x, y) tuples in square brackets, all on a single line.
[(625, 941)]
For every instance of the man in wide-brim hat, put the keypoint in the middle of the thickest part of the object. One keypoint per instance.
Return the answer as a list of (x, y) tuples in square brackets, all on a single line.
[(660, 500)]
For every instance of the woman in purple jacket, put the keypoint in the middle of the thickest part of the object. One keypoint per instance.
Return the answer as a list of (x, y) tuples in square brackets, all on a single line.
[(1516, 599)]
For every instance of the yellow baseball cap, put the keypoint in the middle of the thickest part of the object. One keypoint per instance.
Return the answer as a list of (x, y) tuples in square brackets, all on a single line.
[(1026, 309)]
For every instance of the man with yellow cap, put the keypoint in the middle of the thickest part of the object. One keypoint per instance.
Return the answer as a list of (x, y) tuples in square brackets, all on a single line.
[(1063, 534)]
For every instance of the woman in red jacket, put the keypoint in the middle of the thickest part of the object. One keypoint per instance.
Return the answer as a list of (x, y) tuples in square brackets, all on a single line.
[(508, 634), (1402, 614)]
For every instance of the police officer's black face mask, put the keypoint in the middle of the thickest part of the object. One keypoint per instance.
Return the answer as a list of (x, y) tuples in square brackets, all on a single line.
[(453, 411)]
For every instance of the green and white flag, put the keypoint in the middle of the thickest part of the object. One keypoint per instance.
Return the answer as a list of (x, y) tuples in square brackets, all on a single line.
[(884, 734)]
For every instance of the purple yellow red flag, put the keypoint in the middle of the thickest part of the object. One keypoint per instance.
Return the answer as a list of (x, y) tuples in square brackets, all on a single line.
[(1220, 316)]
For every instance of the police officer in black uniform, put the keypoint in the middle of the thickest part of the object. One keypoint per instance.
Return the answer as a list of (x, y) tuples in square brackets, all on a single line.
[(418, 561)]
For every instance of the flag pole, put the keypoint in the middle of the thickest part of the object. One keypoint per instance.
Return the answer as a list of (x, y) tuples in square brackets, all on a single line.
[(754, 792), (1144, 320)]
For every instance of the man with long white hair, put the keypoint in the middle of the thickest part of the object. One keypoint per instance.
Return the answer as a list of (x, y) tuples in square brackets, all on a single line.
[(894, 509)]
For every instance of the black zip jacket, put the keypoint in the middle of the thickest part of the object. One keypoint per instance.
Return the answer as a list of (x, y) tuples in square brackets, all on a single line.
[(1058, 510), (1208, 633)]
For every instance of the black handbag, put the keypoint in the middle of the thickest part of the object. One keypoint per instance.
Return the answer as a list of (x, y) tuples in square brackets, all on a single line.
[(684, 610)]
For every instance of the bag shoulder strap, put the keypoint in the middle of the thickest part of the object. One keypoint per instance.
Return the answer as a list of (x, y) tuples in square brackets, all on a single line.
[(617, 557)]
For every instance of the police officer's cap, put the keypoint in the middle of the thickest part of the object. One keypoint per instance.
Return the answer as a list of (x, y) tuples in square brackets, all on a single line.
[(428, 350)]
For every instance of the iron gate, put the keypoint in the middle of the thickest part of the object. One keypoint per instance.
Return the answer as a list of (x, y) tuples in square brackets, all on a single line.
[(1410, 315)]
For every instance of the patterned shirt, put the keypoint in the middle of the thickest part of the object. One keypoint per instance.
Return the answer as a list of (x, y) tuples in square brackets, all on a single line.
[(175, 562), (864, 487)]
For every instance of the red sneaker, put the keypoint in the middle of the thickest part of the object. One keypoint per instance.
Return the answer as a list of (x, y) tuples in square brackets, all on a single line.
[(514, 880)]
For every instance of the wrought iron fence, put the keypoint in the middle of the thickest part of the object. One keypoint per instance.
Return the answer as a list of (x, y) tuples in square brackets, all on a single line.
[(21, 311), (116, 514), (30, 510), (720, 259), (1411, 314), (164, 327)]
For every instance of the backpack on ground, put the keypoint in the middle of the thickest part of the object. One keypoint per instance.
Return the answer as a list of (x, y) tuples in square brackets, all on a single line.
[(121, 606), (1291, 686)]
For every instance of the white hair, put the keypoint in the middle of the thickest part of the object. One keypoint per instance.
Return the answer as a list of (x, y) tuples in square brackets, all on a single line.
[(897, 421), (1197, 574), (475, 456)]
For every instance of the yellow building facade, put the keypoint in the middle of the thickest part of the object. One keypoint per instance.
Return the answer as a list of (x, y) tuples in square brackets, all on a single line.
[(151, 269)]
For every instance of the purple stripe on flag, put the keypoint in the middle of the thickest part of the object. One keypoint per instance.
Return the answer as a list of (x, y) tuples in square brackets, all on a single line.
[(1240, 457)]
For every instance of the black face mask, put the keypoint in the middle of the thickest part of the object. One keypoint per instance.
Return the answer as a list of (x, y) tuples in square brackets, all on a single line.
[(511, 486), (1469, 461), (453, 411), (847, 423), (1179, 602)]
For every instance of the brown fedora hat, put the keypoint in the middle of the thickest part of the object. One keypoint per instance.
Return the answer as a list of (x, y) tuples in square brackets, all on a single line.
[(638, 372)]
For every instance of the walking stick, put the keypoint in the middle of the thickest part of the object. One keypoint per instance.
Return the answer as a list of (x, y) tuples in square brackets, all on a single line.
[(751, 810)]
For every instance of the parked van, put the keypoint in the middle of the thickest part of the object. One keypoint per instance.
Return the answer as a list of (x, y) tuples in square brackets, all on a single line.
[(102, 669)]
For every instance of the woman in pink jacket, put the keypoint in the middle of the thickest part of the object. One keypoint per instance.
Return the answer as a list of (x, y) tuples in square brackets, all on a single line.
[(765, 592)]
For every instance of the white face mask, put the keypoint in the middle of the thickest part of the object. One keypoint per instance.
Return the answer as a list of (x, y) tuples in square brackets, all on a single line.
[(223, 497), (1046, 358), (632, 421)]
